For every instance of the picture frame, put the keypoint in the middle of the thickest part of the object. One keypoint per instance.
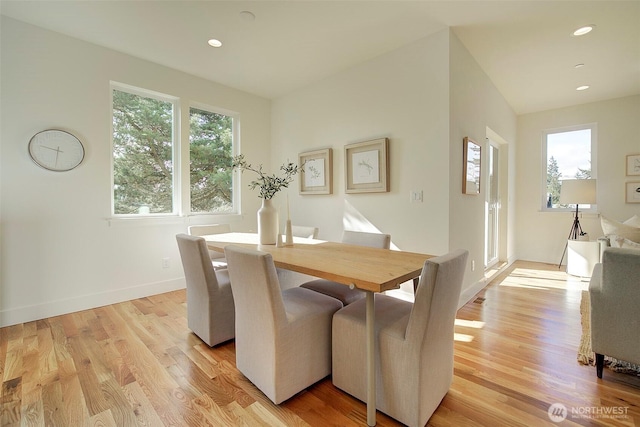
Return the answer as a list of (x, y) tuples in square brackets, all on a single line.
[(317, 171), (471, 166), (632, 193), (367, 166), (633, 165)]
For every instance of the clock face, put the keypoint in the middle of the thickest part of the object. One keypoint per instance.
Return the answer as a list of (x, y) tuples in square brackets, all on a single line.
[(56, 150)]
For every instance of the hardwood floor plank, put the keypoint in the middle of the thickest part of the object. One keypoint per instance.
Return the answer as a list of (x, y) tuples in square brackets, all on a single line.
[(74, 403), (137, 364), (142, 408)]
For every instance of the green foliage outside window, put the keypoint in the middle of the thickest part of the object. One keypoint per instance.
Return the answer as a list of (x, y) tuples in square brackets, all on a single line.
[(142, 154), (210, 149), (553, 183), (143, 146)]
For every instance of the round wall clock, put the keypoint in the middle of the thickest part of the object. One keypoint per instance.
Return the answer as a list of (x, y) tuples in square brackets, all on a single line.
[(56, 150)]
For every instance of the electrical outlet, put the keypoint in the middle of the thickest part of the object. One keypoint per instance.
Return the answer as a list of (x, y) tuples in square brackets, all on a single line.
[(166, 263)]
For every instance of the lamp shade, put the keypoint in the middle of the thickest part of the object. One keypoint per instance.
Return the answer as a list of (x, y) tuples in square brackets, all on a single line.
[(578, 191)]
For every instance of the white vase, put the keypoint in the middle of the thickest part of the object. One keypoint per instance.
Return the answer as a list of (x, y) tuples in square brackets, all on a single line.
[(267, 223)]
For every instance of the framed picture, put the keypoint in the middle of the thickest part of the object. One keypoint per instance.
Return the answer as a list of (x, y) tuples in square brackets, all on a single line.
[(367, 166), (633, 192), (471, 162), (317, 169), (633, 165)]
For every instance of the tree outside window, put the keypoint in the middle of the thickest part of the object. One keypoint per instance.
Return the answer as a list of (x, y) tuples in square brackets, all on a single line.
[(211, 154), (144, 145), (142, 154)]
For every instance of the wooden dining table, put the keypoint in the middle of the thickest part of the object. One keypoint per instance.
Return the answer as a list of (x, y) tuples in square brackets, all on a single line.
[(368, 269)]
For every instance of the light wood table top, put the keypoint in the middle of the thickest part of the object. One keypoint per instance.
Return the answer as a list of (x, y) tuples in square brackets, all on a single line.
[(369, 269)]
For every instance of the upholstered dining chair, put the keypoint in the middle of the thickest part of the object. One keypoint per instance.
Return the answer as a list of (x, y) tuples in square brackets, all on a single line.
[(217, 258), (283, 338), (210, 307), (338, 290), (288, 278), (414, 344), (303, 231)]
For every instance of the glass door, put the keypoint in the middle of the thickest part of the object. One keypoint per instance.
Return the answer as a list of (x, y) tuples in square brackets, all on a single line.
[(492, 207)]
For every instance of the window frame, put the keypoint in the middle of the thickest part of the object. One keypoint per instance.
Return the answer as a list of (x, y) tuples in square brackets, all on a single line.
[(594, 164), (181, 187)]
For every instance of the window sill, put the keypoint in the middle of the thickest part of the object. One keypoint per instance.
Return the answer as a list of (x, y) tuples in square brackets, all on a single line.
[(128, 221), (154, 220)]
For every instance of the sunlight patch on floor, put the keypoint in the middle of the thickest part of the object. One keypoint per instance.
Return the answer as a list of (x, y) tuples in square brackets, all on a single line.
[(462, 337), (476, 324), (544, 279), (463, 323)]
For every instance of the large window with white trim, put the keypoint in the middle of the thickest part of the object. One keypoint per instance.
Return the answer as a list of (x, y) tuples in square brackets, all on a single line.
[(568, 153), (150, 159)]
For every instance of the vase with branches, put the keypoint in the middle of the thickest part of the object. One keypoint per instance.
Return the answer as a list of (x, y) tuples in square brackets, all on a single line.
[(269, 185)]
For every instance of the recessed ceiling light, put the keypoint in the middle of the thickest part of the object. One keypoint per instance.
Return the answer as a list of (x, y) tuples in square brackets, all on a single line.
[(578, 66), (215, 43), (584, 30), (585, 87)]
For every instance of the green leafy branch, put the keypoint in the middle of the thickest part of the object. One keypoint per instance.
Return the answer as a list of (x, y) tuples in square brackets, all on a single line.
[(269, 184)]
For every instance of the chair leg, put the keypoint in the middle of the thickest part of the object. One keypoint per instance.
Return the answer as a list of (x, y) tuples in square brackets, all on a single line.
[(599, 364)]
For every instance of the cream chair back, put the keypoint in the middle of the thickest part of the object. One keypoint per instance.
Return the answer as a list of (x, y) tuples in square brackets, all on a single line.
[(283, 339), (203, 230), (436, 302), (362, 238), (306, 232), (210, 306)]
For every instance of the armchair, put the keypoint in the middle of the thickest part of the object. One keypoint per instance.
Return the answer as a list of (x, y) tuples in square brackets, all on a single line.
[(614, 293)]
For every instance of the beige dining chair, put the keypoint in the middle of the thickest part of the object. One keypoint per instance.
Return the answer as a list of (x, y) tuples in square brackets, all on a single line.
[(414, 344), (303, 231), (338, 290), (290, 279), (210, 307), (283, 338), (217, 258)]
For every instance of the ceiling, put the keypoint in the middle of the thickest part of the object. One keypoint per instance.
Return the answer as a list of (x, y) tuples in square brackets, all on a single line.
[(525, 47)]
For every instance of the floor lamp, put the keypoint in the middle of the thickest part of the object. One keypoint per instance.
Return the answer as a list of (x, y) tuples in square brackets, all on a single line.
[(576, 191)]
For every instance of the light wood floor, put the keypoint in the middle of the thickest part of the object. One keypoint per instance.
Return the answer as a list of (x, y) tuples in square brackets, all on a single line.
[(136, 363)]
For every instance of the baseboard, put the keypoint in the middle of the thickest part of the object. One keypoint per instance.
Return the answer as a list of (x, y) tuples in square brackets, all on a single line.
[(30, 313), (468, 294)]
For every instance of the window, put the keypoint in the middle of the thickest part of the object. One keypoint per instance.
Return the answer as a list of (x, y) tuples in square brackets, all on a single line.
[(568, 153), (143, 153), (147, 161), (210, 157)]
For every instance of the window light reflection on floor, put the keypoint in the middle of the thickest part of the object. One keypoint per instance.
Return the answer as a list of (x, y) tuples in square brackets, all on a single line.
[(474, 324), (543, 279)]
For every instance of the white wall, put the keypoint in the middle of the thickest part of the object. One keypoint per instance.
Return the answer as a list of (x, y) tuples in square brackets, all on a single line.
[(425, 97), (403, 96), (544, 233), (478, 111), (59, 252)]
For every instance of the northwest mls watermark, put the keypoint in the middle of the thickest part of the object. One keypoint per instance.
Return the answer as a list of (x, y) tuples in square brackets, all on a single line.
[(558, 412)]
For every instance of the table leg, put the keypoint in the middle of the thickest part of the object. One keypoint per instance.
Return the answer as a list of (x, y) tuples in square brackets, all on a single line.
[(371, 360)]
